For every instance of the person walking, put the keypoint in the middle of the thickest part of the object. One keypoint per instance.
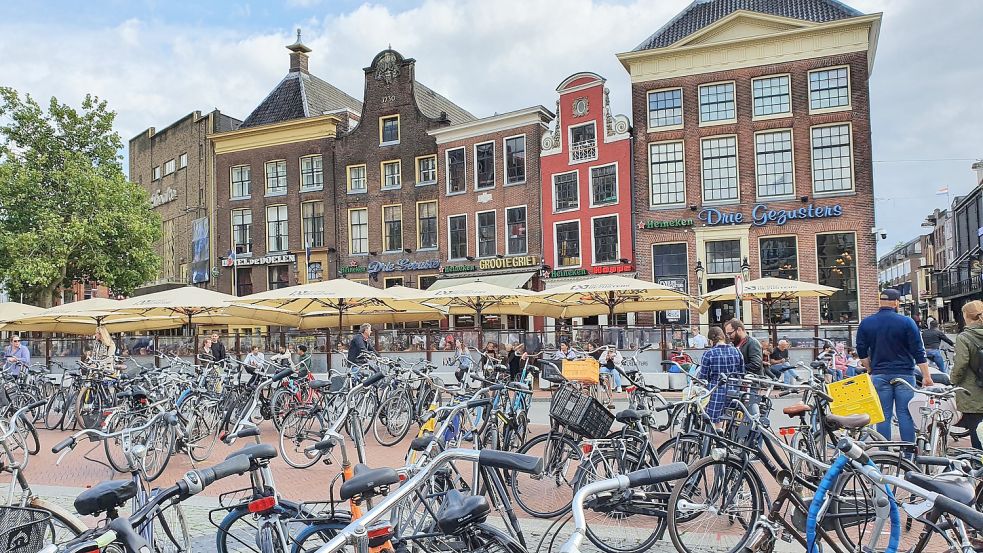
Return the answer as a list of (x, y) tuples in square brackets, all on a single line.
[(890, 346), (15, 356), (933, 337), (360, 344), (748, 345), (967, 371), (720, 360), (218, 349), (303, 358)]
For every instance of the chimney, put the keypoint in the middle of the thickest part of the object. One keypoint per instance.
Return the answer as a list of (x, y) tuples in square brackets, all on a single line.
[(298, 55)]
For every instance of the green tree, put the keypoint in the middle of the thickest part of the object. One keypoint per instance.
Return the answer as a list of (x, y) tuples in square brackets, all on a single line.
[(67, 213)]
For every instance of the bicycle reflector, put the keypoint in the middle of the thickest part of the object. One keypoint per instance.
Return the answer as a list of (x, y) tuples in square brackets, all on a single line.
[(587, 448), (787, 431), (379, 536), (262, 504)]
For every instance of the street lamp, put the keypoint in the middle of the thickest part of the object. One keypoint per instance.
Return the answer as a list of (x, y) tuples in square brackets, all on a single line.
[(746, 270), (699, 276)]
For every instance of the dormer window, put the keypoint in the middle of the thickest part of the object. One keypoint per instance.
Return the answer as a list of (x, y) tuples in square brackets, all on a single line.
[(583, 143)]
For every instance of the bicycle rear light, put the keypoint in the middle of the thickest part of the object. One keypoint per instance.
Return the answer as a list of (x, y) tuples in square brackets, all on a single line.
[(262, 504)]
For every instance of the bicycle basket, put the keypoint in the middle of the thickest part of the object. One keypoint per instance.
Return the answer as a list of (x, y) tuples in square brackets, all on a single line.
[(582, 414), (23, 530)]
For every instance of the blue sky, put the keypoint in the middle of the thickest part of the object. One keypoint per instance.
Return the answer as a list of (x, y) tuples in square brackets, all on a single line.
[(155, 61)]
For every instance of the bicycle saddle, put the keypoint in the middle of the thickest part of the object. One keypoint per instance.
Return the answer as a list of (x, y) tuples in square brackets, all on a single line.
[(630, 415), (797, 409), (848, 421), (317, 384), (255, 452), (460, 511), (421, 443), (105, 496), (368, 482), (956, 487)]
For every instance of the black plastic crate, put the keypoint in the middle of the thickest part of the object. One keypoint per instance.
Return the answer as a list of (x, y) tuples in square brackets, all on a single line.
[(582, 414)]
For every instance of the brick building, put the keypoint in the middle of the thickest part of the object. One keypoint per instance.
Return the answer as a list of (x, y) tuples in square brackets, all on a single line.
[(488, 182), (275, 184), (176, 167), (585, 170), (752, 142), (385, 170)]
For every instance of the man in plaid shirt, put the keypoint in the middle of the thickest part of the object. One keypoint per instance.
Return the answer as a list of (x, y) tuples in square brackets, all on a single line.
[(720, 360)]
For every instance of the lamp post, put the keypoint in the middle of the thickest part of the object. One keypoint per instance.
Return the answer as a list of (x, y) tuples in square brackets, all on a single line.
[(745, 275), (699, 276)]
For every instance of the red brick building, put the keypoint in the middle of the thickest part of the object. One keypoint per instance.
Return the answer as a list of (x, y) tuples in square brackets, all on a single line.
[(753, 154), (585, 171)]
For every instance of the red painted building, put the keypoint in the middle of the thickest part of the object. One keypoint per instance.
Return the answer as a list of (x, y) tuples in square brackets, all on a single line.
[(585, 171)]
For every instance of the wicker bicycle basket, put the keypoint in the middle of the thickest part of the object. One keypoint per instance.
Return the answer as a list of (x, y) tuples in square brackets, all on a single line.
[(23, 530)]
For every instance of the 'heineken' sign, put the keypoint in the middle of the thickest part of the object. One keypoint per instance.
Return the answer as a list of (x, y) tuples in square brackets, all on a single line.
[(402, 265), (353, 269), (563, 273), (459, 268), (671, 223)]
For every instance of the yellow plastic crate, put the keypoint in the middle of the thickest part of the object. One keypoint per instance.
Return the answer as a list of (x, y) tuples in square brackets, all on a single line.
[(582, 370), (856, 395)]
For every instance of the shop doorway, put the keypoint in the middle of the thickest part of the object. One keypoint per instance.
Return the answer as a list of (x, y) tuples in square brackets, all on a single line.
[(720, 311)]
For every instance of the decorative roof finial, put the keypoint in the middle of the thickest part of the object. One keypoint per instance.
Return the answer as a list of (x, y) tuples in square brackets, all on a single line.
[(299, 45), (390, 46)]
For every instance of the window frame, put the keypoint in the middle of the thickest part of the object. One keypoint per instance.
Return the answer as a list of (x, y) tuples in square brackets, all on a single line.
[(761, 271), (505, 160), (699, 104), (648, 111), (570, 143), (685, 263), (856, 269), (249, 229), (447, 171), (286, 241), (556, 244), (812, 162), (269, 276), (737, 169), (617, 183), (169, 166), (266, 178), (652, 204), (507, 234), (707, 260), (182, 161), (436, 227), (382, 173), (303, 223), (617, 240), (575, 172), (849, 90), (385, 230), (399, 133), (351, 235), (365, 178), (477, 233), (386, 281), (232, 182), (300, 166), (754, 116), (156, 173), (419, 285), (419, 173), (757, 191), (474, 148), (450, 237)]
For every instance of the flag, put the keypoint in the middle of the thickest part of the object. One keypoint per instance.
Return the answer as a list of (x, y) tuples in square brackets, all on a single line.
[(942, 191), (230, 260)]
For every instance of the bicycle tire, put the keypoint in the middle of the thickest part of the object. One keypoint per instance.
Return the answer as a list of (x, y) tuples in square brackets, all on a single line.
[(394, 416), (63, 526), (303, 427), (681, 448), (89, 405), (26, 428), (313, 537), (160, 445), (560, 454), (245, 539), (114, 452), (203, 431), (281, 402), (176, 523), (54, 410), (366, 407)]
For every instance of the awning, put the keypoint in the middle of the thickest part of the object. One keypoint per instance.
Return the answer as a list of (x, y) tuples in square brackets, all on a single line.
[(511, 280), (554, 282)]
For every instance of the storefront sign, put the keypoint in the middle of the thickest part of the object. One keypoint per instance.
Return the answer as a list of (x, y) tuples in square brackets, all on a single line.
[(459, 268), (672, 223), (266, 260), (353, 269), (161, 197), (509, 262), (563, 273), (678, 284), (611, 269), (402, 265), (762, 216)]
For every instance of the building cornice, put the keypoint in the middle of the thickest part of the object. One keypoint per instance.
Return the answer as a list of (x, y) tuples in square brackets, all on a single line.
[(286, 132), (489, 125)]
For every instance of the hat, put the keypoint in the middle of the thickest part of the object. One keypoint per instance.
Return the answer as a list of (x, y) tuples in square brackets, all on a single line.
[(890, 294)]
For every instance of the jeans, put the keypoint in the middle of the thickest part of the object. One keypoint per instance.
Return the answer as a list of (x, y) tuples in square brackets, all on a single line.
[(615, 376), (895, 398), (935, 356), (787, 372), (974, 423)]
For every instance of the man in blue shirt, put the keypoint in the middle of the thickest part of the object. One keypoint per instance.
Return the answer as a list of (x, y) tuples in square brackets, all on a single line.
[(360, 344), (16, 355), (890, 346)]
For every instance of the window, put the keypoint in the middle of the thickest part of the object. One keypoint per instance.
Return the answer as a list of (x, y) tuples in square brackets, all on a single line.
[(242, 221), (240, 181), (244, 281), (389, 282), (829, 88), (724, 256), (182, 161), (717, 103), (583, 143), (515, 218), (456, 171), (276, 178), (486, 235), (604, 184), (515, 159), (358, 231), (836, 256), (356, 179), (671, 268), (457, 230), (779, 259), (484, 165), (168, 167), (392, 228), (771, 96), (276, 228), (606, 239), (426, 224), (311, 173), (665, 108), (315, 271), (391, 174), (565, 191), (279, 276), (832, 166), (568, 244), (389, 130), (773, 158), (668, 180), (719, 168), (426, 281), (156, 173), (313, 218), (426, 170)]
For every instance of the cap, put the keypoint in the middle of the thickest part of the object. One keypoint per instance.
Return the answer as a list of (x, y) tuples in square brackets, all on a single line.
[(890, 294)]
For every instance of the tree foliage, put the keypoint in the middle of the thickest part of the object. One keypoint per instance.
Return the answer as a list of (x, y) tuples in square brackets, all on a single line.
[(67, 212)]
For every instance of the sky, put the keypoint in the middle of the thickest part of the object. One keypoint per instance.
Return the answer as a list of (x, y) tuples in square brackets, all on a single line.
[(155, 61)]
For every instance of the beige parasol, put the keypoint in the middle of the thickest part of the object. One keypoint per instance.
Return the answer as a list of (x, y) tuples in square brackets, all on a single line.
[(12, 310), (605, 295)]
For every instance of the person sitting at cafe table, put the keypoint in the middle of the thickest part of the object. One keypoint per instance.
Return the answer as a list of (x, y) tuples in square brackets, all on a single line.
[(564, 352)]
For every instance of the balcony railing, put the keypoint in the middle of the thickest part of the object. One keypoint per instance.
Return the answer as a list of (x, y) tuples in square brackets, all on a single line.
[(583, 151), (958, 288)]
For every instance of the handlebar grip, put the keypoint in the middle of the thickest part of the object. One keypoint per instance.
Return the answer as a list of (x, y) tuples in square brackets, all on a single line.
[(852, 450), (374, 379), (496, 388), (244, 433), (36, 405), (967, 514), (238, 464), (657, 475), (282, 374), (471, 404), (507, 460), (934, 461), (67, 442)]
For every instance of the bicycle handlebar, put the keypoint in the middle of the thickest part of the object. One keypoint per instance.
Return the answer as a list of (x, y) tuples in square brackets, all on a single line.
[(946, 392)]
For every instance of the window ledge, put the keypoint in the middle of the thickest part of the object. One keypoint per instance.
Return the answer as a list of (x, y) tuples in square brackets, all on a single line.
[(426, 183), (517, 253), (765, 199), (432, 249), (579, 161), (275, 194), (716, 123), (517, 183), (567, 210), (837, 109), (313, 189), (851, 192), (392, 187), (784, 115), (651, 130), (392, 251), (236, 198), (604, 204), (390, 143), (666, 207), (366, 254), (484, 188), (715, 203), (354, 192), (456, 193)]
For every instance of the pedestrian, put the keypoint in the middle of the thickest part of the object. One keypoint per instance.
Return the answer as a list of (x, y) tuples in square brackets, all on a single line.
[(697, 340), (890, 346), (304, 359), (218, 349), (853, 367), (516, 360), (490, 356), (463, 361), (721, 360), (780, 364), (967, 371), (748, 345), (206, 351), (360, 345), (254, 362), (16, 355), (933, 337)]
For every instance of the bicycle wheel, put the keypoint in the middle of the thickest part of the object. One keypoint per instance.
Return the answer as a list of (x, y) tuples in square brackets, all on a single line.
[(54, 410), (282, 401), (302, 428), (549, 494), (393, 420), (515, 432), (160, 444), (681, 448), (63, 526), (89, 407), (313, 537), (171, 531), (237, 531), (203, 431), (26, 428), (366, 406), (715, 507), (113, 446)]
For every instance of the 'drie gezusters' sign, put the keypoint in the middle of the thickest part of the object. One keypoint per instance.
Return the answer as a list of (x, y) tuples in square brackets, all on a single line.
[(761, 215), (402, 265)]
